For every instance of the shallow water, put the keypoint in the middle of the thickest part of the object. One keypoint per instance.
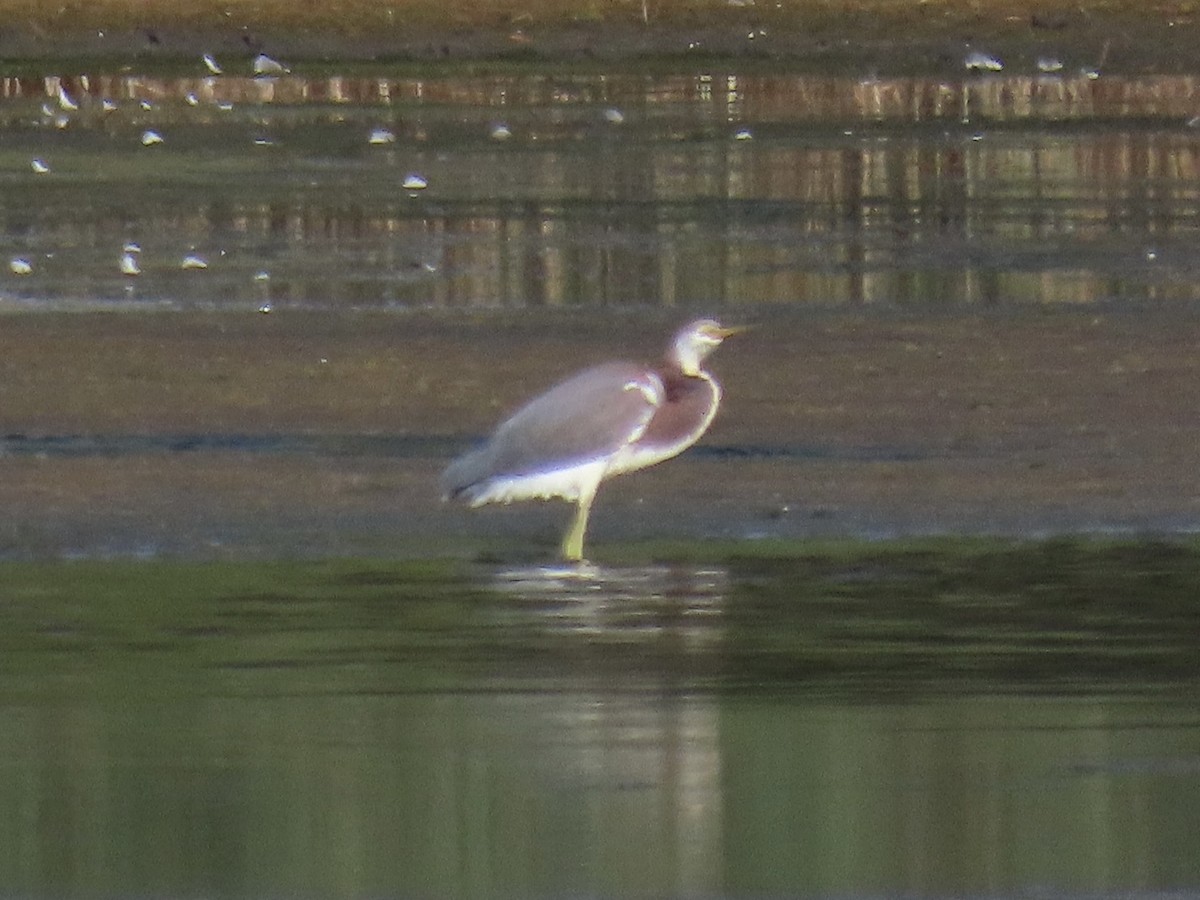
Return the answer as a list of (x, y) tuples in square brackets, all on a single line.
[(949, 719), (709, 188)]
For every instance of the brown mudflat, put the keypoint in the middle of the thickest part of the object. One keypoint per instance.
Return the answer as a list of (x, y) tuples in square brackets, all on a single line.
[(869, 35), (1015, 422)]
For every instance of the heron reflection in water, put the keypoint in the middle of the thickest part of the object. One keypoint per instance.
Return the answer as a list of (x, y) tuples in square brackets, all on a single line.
[(610, 419)]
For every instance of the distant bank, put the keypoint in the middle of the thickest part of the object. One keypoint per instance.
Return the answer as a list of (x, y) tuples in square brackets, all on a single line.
[(885, 36)]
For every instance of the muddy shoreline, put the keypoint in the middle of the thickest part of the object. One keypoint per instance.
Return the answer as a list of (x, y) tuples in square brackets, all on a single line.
[(1038, 423), (882, 38), (863, 424)]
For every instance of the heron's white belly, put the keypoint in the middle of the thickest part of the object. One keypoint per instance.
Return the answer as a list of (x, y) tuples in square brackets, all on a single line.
[(568, 483)]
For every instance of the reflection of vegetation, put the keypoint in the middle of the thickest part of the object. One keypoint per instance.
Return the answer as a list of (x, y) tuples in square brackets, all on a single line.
[(860, 619), (854, 191)]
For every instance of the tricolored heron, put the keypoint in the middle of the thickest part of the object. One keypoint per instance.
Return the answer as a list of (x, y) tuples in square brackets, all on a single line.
[(607, 420)]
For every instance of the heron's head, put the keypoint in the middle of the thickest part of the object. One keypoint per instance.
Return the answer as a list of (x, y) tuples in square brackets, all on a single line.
[(695, 341)]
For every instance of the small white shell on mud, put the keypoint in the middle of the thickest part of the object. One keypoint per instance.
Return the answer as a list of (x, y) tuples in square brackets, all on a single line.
[(211, 64), (150, 138), (39, 166), (18, 265), (414, 182), (614, 116), (500, 132), (193, 261), (1049, 64), (381, 136), (129, 265)]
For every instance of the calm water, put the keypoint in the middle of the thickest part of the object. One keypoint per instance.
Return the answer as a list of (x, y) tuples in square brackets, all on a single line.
[(822, 726), (540, 189), (866, 722)]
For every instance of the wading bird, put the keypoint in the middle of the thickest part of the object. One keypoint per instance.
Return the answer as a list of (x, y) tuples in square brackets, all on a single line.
[(607, 420)]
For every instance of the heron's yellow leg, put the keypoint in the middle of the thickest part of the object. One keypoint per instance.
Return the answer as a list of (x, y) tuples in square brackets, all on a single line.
[(572, 546)]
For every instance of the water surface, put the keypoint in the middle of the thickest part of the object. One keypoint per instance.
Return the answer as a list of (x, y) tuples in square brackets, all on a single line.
[(940, 719), (704, 188)]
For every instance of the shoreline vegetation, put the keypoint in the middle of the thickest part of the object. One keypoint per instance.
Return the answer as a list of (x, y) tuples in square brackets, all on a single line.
[(873, 35)]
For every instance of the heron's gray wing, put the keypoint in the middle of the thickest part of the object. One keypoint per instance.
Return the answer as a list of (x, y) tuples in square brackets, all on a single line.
[(587, 417)]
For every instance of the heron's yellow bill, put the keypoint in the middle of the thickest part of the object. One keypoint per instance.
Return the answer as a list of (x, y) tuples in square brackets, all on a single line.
[(731, 330)]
